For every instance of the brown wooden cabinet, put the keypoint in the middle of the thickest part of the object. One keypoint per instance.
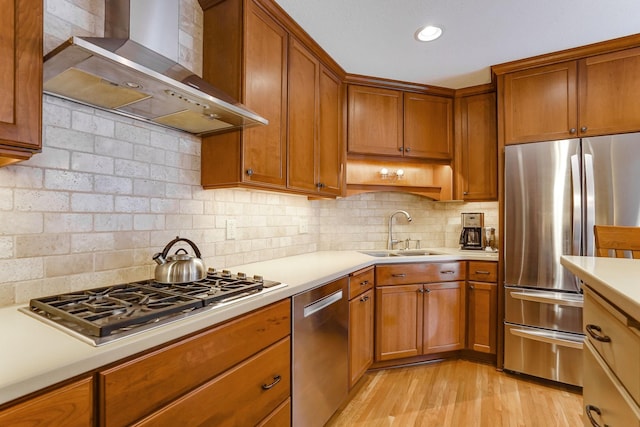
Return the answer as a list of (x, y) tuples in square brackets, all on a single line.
[(596, 95), (251, 54), (375, 121), (20, 80), (417, 312), (477, 147), (245, 54), (165, 382), (388, 122), (69, 405), (315, 141), (482, 306), (361, 313), (428, 126)]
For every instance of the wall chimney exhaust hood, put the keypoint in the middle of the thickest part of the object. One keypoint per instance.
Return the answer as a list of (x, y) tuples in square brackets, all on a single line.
[(134, 71)]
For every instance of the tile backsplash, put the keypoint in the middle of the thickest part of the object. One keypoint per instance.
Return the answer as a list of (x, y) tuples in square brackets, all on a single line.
[(107, 192)]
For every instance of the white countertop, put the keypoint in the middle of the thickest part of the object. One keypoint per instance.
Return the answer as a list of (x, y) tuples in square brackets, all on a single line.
[(35, 355), (616, 279)]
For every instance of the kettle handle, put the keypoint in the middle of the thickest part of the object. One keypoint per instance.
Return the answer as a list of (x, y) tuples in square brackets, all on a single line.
[(165, 251)]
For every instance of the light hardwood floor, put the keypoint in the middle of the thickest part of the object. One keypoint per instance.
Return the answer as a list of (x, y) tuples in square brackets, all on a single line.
[(457, 393)]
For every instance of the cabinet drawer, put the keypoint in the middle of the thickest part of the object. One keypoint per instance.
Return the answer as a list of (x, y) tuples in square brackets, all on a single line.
[(361, 281), (155, 379), (280, 417), (603, 393), (400, 274), (241, 396), (70, 405), (483, 271), (617, 343)]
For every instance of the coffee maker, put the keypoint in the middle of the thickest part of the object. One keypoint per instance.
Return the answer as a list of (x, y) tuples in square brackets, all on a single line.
[(471, 235)]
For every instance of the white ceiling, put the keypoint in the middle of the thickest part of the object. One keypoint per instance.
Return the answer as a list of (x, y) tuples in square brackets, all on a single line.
[(375, 37)]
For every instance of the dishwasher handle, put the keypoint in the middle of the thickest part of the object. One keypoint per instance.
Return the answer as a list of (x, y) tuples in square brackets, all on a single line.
[(322, 303)]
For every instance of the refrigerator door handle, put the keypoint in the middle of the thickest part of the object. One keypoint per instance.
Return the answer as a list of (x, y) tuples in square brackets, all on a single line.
[(590, 204), (547, 298), (557, 338), (577, 206)]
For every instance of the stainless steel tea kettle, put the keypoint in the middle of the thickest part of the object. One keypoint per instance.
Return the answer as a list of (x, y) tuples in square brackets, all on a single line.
[(179, 267)]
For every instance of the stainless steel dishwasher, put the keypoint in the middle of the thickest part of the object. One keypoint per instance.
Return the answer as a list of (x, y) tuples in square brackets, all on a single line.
[(320, 353)]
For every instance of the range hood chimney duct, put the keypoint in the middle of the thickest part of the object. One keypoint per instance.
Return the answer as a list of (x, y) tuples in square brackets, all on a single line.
[(134, 71)]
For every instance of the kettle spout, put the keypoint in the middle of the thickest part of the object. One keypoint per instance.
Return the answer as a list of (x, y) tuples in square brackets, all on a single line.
[(159, 259)]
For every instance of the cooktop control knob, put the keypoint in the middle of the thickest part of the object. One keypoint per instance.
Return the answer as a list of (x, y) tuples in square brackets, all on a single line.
[(241, 275), (226, 273), (258, 278)]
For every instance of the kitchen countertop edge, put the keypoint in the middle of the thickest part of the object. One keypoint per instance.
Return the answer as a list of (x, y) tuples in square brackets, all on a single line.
[(26, 368)]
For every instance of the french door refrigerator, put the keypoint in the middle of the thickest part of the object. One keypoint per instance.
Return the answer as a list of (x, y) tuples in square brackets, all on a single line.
[(555, 192)]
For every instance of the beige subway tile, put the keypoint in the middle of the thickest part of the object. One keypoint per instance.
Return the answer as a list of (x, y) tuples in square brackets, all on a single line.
[(114, 260), (12, 223), (67, 180), (113, 222), (15, 270), (6, 247), (67, 222), (35, 245), (92, 242), (87, 202), (67, 265)]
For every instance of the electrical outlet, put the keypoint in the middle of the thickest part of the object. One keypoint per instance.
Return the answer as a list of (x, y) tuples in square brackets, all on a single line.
[(303, 226), (231, 229)]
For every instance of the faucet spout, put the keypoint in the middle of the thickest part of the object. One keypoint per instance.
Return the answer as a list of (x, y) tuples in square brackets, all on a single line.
[(391, 240)]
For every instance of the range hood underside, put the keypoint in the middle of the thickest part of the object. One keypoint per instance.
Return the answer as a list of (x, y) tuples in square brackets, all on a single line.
[(84, 72)]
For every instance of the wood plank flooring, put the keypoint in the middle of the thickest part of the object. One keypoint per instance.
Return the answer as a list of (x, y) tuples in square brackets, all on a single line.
[(457, 393)]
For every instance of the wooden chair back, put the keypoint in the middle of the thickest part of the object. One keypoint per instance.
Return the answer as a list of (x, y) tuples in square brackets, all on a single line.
[(619, 240)]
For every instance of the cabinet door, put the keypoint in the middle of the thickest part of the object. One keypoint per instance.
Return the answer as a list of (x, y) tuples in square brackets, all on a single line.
[(20, 79), (482, 323), (70, 405), (330, 154), (609, 93), (398, 321), (428, 126), (375, 121), (444, 317), (540, 104), (265, 91), (304, 76), (478, 147), (360, 335)]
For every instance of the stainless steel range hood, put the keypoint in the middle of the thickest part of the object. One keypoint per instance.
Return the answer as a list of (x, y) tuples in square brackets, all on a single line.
[(133, 71)]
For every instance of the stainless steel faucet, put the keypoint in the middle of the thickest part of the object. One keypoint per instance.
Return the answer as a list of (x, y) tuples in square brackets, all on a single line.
[(391, 240)]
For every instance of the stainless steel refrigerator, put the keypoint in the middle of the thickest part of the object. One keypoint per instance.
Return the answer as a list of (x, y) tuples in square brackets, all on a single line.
[(554, 194)]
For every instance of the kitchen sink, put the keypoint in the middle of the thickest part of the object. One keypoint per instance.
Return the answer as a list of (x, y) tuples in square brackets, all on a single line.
[(396, 253)]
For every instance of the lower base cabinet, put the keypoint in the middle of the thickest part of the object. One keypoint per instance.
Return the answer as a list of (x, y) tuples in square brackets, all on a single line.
[(242, 396), (361, 314), (236, 373), (70, 406)]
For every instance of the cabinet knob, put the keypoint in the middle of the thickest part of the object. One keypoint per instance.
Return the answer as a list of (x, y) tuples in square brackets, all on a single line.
[(250, 172), (364, 299), (400, 148), (471, 287), (427, 290), (572, 131), (407, 149), (583, 129), (320, 186), (364, 283), (464, 193)]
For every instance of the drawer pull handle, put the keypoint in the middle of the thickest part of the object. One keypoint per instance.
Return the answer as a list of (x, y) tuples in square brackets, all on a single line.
[(589, 409), (595, 332), (365, 283), (481, 272), (276, 380), (364, 299), (447, 272), (399, 275)]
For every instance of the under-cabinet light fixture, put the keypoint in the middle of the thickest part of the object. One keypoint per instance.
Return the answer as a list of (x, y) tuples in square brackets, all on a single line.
[(385, 174)]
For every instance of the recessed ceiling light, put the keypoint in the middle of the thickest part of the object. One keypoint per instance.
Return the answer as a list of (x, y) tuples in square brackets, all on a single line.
[(428, 33)]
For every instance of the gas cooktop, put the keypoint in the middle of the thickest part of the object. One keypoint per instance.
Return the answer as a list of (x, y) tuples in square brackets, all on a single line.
[(102, 315)]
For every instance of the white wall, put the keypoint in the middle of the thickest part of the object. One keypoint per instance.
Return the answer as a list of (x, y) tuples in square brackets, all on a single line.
[(107, 192)]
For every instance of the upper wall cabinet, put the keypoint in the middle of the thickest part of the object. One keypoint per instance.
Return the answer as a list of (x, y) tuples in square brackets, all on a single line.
[(387, 122), (315, 125), (476, 166), (250, 52), (596, 95), (245, 54), (20, 80)]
